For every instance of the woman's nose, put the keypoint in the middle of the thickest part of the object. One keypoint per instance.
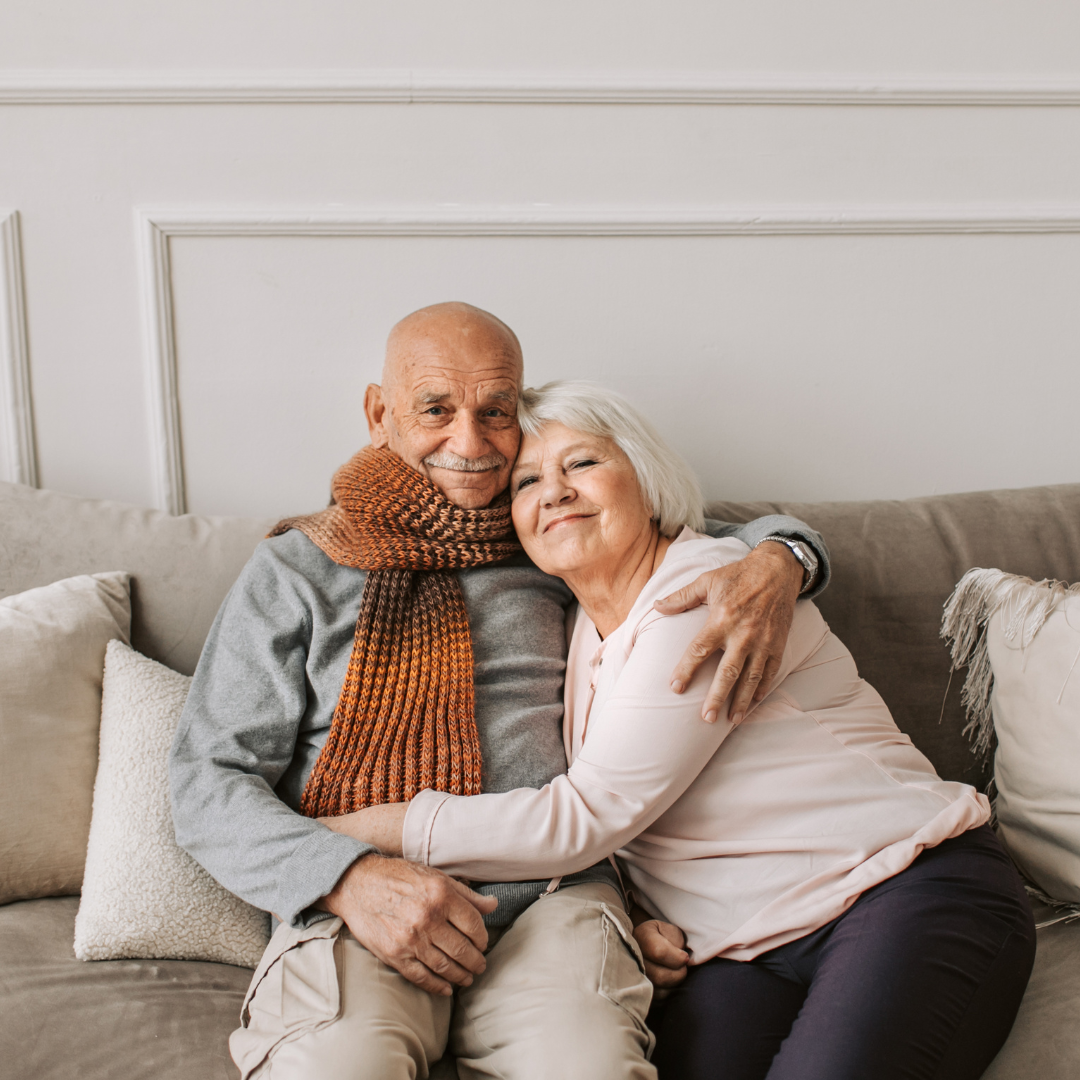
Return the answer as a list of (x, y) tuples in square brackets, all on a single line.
[(555, 491)]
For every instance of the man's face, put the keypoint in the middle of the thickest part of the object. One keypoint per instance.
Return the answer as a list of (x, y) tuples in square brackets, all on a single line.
[(449, 408)]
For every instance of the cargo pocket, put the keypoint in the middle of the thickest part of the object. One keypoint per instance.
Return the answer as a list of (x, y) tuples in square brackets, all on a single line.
[(296, 989), (622, 974)]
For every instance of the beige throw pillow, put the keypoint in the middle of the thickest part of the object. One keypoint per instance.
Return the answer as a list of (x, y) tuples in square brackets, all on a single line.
[(1021, 642), (52, 652), (142, 895)]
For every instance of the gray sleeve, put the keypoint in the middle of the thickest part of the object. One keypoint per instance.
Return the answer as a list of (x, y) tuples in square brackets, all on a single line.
[(753, 532), (236, 738)]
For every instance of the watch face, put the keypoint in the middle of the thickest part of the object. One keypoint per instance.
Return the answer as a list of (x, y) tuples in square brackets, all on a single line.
[(809, 559)]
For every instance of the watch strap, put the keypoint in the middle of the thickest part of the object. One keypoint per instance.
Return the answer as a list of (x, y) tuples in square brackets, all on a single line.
[(802, 551)]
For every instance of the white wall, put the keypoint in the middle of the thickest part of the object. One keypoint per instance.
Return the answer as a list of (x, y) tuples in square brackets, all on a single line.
[(833, 249)]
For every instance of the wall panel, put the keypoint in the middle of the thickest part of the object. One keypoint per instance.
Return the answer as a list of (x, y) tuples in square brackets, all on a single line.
[(815, 366)]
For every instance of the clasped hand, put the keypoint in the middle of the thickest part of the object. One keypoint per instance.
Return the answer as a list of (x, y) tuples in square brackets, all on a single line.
[(415, 919)]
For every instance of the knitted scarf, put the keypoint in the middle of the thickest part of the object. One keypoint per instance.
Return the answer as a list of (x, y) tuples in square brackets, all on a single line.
[(405, 718)]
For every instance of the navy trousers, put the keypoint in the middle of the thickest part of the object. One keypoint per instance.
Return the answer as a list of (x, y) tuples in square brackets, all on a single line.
[(920, 978)]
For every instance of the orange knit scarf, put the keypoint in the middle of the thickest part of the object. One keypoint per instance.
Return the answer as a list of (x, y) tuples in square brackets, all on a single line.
[(405, 718)]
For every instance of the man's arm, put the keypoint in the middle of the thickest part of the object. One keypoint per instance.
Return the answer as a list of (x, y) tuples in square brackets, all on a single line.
[(751, 605), (752, 533), (238, 738), (235, 741)]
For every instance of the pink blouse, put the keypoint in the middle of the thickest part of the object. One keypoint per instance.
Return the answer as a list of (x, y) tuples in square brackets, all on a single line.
[(747, 837)]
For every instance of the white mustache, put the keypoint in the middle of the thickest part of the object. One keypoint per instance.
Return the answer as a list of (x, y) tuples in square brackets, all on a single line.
[(441, 460)]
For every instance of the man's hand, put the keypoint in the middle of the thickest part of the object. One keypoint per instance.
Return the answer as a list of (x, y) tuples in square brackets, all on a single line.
[(751, 605), (415, 919), (664, 947)]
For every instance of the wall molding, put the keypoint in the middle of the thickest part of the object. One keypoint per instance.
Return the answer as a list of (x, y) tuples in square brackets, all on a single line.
[(15, 357), (403, 86), (156, 226)]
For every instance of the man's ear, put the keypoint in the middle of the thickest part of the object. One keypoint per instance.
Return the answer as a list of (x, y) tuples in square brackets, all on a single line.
[(375, 409)]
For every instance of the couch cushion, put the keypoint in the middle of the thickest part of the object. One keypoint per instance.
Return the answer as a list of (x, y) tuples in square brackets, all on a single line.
[(111, 1019), (181, 567), (894, 566), (52, 652), (1045, 1040)]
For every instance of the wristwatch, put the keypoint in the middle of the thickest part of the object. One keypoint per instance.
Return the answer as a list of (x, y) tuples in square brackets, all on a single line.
[(808, 559)]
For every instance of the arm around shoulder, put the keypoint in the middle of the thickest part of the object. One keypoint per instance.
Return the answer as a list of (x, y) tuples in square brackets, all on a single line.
[(754, 532)]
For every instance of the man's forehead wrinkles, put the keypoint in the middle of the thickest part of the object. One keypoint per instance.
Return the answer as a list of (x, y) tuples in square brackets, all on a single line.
[(427, 369), (502, 390)]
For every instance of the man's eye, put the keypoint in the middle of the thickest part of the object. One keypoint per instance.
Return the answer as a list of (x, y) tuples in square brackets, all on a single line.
[(435, 410)]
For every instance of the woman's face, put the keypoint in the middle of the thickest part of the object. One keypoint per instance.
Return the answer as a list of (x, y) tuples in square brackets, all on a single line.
[(577, 503)]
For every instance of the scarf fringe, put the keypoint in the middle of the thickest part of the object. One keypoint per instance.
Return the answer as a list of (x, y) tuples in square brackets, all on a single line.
[(1025, 605)]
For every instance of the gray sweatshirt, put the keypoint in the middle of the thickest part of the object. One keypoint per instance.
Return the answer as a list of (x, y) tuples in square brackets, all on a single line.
[(268, 681)]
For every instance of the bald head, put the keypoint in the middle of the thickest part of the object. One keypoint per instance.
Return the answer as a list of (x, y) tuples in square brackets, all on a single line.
[(448, 400), (456, 328)]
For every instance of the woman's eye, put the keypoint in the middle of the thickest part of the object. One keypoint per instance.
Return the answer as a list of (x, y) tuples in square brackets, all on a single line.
[(525, 481), (582, 464)]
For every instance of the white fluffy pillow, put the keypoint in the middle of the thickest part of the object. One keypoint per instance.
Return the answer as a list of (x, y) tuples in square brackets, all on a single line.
[(1021, 642), (142, 895)]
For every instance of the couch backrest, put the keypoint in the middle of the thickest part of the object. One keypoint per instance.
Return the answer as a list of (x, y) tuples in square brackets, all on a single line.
[(181, 567), (894, 566)]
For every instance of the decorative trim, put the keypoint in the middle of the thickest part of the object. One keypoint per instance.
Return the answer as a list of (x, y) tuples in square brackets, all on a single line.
[(404, 86), (156, 226), (155, 282), (15, 356), (541, 220)]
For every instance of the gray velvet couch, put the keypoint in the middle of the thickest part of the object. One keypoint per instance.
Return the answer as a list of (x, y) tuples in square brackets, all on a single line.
[(894, 565)]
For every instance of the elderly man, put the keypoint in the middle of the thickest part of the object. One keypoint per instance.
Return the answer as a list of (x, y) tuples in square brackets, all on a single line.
[(398, 641)]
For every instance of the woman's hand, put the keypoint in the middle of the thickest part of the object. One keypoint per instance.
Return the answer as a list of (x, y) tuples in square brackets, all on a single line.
[(663, 945), (378, 825)]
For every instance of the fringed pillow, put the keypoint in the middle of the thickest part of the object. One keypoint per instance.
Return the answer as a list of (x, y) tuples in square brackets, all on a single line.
[(1020, 641)]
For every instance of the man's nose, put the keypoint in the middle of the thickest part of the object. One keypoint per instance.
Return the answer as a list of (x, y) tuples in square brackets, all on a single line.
[(467, 437)]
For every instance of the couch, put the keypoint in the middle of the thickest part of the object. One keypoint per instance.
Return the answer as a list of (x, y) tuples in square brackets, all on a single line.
[(895, 563)]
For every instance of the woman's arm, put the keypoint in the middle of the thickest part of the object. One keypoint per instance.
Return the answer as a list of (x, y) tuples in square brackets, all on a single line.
[(643, 749), (379, 826)]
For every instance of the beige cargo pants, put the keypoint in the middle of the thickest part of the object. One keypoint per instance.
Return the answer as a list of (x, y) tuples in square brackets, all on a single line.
[(564, 995)]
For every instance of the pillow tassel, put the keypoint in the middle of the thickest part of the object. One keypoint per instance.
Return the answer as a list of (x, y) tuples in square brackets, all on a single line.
[(1025, 606), (963, 624)]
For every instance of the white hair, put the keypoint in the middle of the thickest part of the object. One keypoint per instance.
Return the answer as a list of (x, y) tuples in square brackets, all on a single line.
[(670, 488)]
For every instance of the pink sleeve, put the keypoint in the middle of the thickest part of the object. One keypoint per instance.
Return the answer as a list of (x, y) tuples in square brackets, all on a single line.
[(642, 751)]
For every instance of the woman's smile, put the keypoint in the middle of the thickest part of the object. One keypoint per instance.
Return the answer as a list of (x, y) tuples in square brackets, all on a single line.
[(567, 519)]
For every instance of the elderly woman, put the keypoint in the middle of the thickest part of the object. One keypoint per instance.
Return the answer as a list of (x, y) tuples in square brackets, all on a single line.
[(847, 913)]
